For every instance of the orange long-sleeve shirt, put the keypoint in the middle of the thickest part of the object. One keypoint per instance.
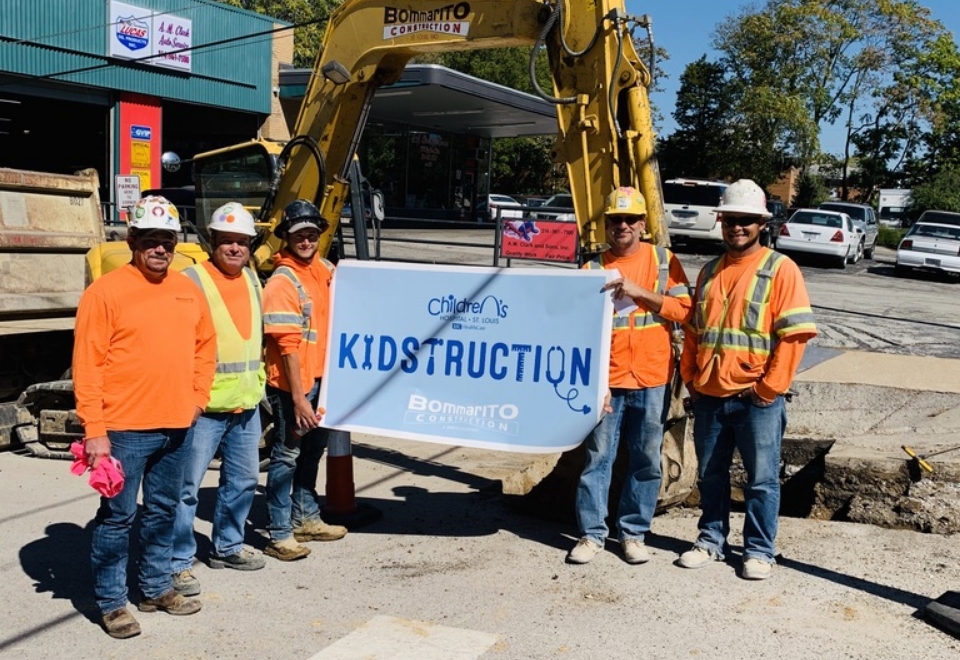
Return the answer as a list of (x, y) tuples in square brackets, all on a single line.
[(144, 353), (641, 355), (722, 368), (285, 334)]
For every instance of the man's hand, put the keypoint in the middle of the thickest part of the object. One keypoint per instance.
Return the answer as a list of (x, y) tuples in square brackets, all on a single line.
[(96, 449), (607, 408), (623, 287), (197, 411), (303, 414)]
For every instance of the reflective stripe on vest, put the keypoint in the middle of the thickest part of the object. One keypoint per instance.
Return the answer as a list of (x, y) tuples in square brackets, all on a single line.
[(749, 335), (643, 319), (303, 319), (239, 378)]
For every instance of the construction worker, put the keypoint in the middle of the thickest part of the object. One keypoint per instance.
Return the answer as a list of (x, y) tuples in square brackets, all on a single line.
[(231, 421), (652, 293), (143, 364), (296, 307), (751, 322)]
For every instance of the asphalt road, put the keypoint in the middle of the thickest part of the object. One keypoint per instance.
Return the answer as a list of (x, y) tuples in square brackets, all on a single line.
[(452, 572)]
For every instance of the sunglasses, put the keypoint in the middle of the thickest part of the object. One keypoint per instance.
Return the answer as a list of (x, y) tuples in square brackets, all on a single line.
[(746, 221), (631, 220), (169, 245)]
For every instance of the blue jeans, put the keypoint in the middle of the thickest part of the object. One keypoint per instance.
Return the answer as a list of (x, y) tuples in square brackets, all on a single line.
[(638, 416), (155, 460), (237, 435), (721, 425), (292, 496)]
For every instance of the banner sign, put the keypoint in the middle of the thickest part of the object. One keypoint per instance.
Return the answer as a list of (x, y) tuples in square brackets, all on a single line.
[(515, 360), (136, 33), (542, 240)]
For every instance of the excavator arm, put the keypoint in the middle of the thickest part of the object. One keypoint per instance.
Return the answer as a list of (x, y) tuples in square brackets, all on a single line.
[(604, 135)]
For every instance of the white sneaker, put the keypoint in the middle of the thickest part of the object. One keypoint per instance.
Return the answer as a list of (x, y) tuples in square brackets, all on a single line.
[(696, 557), (634, 551), (583, 551), (756, 569)]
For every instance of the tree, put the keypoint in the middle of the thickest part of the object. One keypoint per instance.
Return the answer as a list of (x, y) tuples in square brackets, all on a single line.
[(942, 192), (804, 63), (312, 14), (703, 112)]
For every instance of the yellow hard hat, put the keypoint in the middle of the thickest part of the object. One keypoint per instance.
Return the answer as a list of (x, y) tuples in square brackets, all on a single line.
[(626, 201)]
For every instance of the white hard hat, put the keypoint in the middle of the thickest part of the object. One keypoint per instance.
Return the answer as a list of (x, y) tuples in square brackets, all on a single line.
[(232, 217), (155, 212), (744, 196)]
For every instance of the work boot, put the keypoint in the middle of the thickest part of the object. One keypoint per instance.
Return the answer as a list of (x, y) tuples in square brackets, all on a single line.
[(317, 530), (634, 551), (756, 569), (120, 624), (245, 560), (696, 557), (172, 603), (286, 550), (583, 551), (186, 583)]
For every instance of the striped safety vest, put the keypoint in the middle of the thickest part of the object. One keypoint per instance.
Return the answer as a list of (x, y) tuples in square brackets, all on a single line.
[(303, 319), (751, 333), (238, 381), (642, 318)]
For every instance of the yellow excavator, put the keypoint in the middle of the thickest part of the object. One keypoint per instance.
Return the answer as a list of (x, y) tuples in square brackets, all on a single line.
[(604, 129)]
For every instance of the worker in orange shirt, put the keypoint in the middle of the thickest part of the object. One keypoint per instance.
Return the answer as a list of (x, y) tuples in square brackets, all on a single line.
[(296, 308), (143, 364), (751, 322), (231, 421), (651, 293)]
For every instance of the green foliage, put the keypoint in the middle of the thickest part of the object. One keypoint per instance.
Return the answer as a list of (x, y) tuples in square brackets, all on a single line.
[(313, 13), (811, 190), (889, 236), (941, 192)]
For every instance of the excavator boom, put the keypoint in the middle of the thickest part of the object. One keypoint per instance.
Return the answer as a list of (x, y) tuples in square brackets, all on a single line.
[(604, 133)]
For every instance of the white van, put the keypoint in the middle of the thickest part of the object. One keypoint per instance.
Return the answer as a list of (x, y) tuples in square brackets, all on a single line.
[(688, 206)]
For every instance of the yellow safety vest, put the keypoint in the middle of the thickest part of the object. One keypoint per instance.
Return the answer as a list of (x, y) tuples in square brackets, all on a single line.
[(240, 376)]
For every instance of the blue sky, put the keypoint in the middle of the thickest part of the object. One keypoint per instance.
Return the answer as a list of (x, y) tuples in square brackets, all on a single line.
[(685, 28)]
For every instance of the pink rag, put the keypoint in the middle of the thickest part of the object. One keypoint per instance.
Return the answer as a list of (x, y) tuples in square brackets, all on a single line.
[(106, 478)]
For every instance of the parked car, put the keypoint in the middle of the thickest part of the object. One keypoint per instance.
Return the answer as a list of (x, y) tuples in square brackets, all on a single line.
[(940, 217), (688, 206), (560, 207), (864, 217), (930, 246), (830, 234), (768, 237), (486, 208)]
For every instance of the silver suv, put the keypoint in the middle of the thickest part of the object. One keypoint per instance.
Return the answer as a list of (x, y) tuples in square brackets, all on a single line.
[(864, 218)]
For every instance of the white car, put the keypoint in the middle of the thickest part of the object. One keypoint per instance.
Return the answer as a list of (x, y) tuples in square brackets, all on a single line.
[(929, 246), (830, 234), (689, 209), (488, 206), (562, 201)]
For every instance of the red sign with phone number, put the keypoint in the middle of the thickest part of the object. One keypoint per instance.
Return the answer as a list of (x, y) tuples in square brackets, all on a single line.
[(539, 240)]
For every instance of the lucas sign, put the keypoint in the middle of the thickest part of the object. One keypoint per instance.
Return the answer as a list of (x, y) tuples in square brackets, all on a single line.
[(137, 33), (480, 357)]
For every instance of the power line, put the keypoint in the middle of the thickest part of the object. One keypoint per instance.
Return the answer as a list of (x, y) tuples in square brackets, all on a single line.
[(44, 37), (111, 61)]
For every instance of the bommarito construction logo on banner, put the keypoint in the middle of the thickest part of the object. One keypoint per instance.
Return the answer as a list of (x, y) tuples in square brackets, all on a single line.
[(448, 19)]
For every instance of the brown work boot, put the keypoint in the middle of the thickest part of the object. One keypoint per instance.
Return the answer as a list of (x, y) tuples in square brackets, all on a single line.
[(286, 550), (172, 603), (120, 624), (317, 530)]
